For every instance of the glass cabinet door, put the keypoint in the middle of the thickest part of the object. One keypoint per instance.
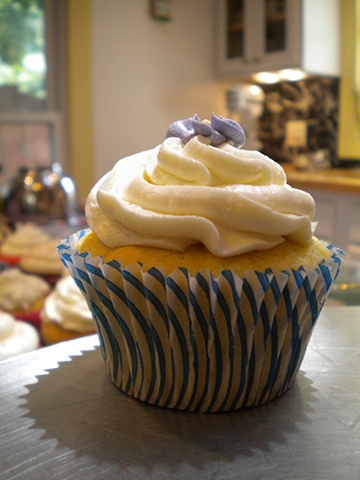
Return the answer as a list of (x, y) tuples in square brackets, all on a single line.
[(275, 18), (257, 35), (255, 29), (235, 27)]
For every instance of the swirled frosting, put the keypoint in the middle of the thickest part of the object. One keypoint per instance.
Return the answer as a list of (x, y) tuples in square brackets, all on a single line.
[(66, 306), (42, 259), (25, 237), (20, 291), (16, 336), (193, 189)]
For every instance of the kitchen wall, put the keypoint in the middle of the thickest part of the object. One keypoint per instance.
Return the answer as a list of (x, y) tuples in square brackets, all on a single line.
[(130, 76), (80, 111), (145, 74)]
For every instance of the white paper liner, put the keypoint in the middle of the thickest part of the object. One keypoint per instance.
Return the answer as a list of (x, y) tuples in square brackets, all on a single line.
[(201, 343)]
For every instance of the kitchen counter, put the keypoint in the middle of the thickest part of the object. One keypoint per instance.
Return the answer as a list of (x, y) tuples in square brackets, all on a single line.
[(61, 418), (333, 179), (336, 192)]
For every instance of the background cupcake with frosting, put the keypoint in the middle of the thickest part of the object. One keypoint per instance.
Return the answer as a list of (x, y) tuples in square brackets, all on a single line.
[(24, 238), (202, 271), (16, 337), (31, 249), (65, 314), (22, 295), (43, 262)]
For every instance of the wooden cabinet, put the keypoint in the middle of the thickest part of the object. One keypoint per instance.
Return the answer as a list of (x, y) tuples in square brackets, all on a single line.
[(270, 35)]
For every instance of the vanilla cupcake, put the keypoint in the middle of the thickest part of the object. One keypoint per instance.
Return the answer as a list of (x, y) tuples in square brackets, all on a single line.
[(22, 295), (201, 270), (65, 314), (16, 337), (43, 260), (25, 237)]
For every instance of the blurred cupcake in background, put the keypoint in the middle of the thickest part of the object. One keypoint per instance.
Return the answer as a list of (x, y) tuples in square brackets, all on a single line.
[(43, 260), (65, 314), (22, 295), (16, 337), (19, 242)]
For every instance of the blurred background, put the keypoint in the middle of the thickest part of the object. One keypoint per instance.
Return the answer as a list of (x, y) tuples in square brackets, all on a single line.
[(84, 83)]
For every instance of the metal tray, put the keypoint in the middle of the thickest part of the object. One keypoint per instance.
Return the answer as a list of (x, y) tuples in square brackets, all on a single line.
[(61, 418)]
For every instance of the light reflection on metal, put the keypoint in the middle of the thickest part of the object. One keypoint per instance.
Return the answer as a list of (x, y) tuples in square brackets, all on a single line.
[(37, 187), (42, 195), (28, 180)]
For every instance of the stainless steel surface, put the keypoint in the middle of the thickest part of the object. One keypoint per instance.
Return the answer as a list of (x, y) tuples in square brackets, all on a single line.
[(61, 418), (346, 289)]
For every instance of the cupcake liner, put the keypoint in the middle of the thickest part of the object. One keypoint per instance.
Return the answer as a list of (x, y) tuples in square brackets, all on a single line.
[(9, 261), (30, 317), (201, 343)]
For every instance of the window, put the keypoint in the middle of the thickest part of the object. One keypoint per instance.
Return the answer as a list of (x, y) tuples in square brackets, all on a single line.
[(32, 52)]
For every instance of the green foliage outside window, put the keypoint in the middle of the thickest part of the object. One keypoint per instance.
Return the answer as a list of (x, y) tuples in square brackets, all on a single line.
[(22, 46)]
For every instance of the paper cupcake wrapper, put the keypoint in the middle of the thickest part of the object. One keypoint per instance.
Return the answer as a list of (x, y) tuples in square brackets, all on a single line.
[(201, 343), (30, 317)]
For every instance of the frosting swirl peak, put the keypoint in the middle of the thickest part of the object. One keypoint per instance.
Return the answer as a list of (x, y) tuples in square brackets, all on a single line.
[(218, 131), (187, 191)]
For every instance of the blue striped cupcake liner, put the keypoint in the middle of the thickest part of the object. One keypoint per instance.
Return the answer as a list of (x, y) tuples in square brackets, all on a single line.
[(201, 344)]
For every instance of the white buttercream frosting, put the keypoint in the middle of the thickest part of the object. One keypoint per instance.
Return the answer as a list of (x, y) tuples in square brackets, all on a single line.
[(43, 258), (20, 291), (67, 307), (16, 337), (23, 239), (232, 200)]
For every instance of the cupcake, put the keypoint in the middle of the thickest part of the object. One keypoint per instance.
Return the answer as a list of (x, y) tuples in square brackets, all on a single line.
[(65, 314), (16, 337), (202, 271), (43, 261), (22, 295), (25, 237)]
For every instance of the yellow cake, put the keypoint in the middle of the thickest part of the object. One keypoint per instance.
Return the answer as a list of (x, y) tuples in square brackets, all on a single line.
[(202, 271), (52, 332), (287, 255)]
